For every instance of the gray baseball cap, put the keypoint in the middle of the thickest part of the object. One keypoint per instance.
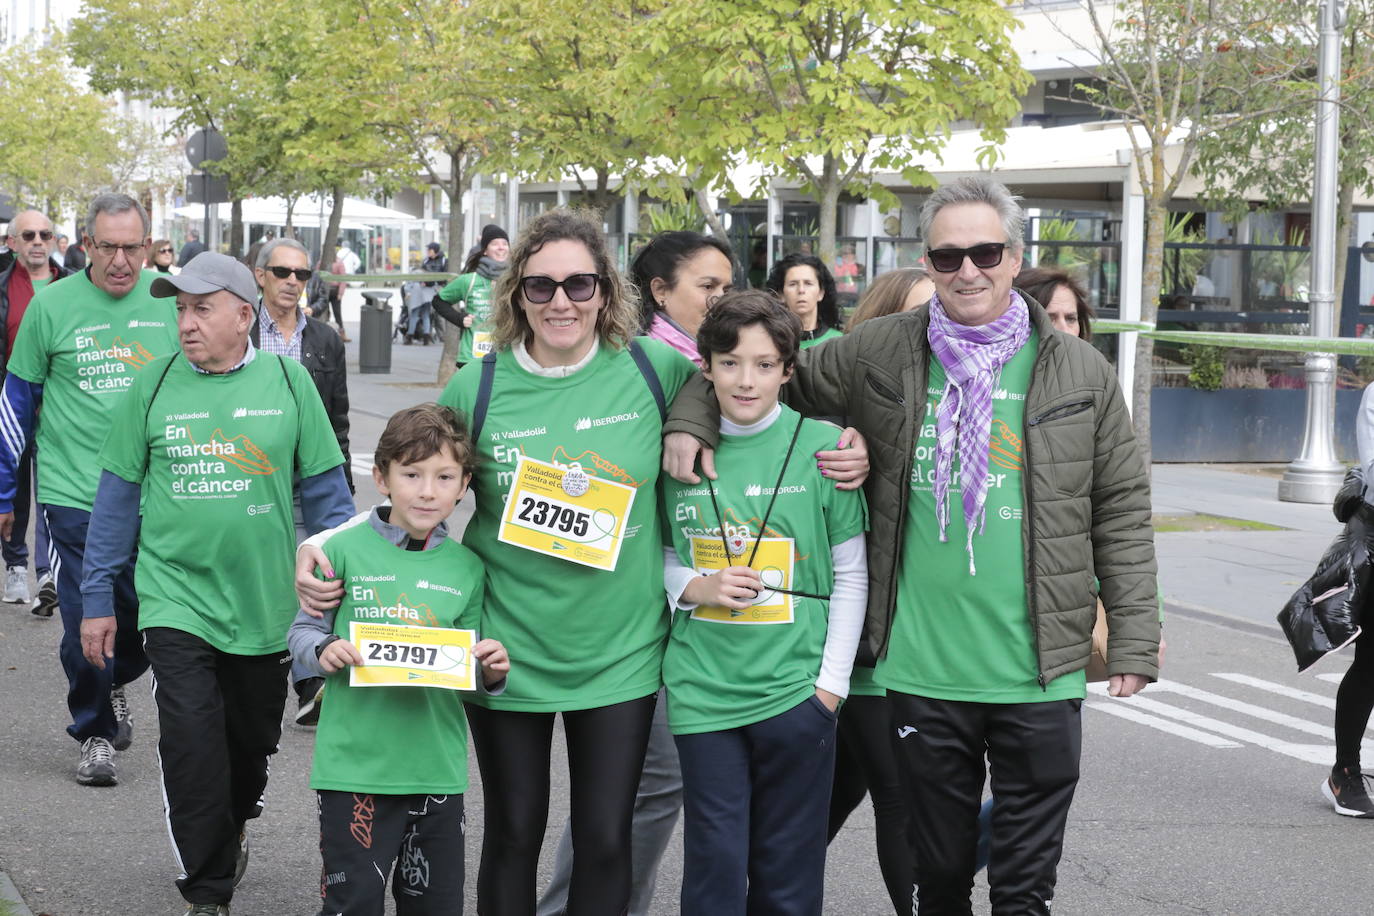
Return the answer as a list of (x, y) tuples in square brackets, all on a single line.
[(210, 272)]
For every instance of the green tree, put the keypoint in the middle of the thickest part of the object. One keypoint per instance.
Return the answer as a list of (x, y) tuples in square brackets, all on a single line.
[(827, 94), (1168, 70), (59, 138)]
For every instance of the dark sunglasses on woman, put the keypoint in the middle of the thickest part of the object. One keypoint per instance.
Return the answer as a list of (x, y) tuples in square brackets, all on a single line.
[(578, 287)]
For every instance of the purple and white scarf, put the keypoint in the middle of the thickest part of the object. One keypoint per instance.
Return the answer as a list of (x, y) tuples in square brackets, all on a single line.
[(973, 358)]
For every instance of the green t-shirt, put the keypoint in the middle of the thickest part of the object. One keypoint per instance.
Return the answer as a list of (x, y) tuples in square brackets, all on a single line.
[(962, 637), (39, 284), (863, 683), (582, 637), (724, 674), (215, 456), (474, 291), (86, 349), (396, 740), (830, 334)]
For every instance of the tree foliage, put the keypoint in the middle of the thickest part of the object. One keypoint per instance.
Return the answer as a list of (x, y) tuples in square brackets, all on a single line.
[(828, 94)]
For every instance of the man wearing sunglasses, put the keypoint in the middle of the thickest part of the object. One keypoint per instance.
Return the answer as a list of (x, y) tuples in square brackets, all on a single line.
[(1005, 480), (30, 238), (79, 348), (283, 328)]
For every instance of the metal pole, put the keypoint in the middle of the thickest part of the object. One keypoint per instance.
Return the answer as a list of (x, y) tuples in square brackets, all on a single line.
[(1315, 476)]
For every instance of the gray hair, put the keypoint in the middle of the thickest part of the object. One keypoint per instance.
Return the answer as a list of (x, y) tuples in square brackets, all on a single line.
[(977, 189), (265, 254), (114, 204)]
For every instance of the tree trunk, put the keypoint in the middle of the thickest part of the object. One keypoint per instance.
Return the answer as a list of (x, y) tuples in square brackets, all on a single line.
[(830, 205), (289, 230), (703, 200), (236, 249), (330, 245), (1143, 381), (1345, 220), (457, 252)]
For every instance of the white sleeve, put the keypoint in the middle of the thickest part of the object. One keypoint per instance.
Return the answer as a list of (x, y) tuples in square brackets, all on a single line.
[(1364, 440), (848, 605), (675, 579), (317, 539)]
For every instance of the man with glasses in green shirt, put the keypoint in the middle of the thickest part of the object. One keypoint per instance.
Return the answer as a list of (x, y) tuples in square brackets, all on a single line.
[(80, 346)]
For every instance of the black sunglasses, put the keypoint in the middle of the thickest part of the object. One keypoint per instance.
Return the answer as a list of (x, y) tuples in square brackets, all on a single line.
[(28, 235), (281, 273), (578, 287), (948, 260), (164, 251)]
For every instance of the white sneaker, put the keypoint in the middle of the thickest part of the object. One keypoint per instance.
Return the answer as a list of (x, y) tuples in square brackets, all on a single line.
[(16, 584)]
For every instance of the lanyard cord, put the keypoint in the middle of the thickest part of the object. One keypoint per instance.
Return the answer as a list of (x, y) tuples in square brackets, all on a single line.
[(763, 525)]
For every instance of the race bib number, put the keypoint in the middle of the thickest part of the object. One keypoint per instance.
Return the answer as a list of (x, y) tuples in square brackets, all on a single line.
[(481, 344), (565, 513), (774, 563), (396, 656)]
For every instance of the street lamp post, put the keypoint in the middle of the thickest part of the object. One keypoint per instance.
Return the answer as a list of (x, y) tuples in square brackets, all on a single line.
[(1315, 475)]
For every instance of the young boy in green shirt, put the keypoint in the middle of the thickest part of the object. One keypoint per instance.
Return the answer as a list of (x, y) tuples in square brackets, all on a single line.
[(390, 762), (767, 576)]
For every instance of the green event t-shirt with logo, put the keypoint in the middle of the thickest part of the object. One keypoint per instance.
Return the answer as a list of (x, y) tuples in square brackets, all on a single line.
[(725, 668), (396, 740), (957, 636), (582, 637), (85, 348), (474, 291), (215, 456)]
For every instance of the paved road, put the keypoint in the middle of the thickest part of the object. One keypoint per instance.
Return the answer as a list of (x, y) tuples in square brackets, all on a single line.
[(1198, 797)]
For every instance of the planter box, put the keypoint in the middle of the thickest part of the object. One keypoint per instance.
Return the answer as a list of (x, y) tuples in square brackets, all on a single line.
[(1238, 425)]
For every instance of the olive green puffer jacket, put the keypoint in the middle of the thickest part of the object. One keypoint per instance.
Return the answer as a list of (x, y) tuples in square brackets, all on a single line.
[(1087, 506)]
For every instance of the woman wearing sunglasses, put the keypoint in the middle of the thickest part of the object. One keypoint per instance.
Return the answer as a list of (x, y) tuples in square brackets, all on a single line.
[(808, 289), (161, 257)]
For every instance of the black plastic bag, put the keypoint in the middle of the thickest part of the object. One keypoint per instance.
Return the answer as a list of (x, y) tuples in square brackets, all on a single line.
[(1324, 615)]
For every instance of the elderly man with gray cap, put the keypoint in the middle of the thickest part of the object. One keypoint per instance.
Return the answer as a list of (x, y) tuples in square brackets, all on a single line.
[(209, 440), (80, 346)]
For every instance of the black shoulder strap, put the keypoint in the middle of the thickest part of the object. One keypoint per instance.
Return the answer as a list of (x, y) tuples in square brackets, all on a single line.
[(156, 388), (646, 369), (479, 409), (281, 361)]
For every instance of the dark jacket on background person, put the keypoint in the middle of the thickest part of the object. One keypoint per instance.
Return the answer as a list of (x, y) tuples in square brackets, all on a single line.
[(1087, 493), (58, 272), (437, 265), (188, 251), (322, 355), (75, 258)]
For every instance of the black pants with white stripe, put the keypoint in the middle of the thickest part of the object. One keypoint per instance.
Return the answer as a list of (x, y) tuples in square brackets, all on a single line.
[(416, 839), (220, 719), (1032, 750)]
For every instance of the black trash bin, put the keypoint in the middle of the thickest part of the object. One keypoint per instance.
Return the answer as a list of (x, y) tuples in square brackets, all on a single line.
[(374, 332)]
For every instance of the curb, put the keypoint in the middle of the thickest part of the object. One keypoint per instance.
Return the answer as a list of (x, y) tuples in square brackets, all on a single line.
[(10, 894)]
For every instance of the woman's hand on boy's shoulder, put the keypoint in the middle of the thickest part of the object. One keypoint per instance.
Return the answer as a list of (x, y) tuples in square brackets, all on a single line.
[(494, 658), (338, 655), (847, 462), (316, 595)]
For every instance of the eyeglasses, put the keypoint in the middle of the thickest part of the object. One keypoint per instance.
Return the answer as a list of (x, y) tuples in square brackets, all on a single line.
[(578, 287), (29, 235), (948, 260), (164, 251), (109, 249), (281, 273)]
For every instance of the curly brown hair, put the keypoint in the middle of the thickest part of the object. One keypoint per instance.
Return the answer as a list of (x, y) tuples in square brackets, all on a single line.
[(618, 319)]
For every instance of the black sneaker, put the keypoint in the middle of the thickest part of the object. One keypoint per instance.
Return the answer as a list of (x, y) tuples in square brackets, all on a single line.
[(309, 693), (97, 763), (46, 602), (124, 723), (241, 860), (207, 909), (1344, 788)]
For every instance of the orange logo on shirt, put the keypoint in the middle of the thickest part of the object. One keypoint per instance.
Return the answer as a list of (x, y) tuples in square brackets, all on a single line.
[(611, 470), (1005, 448), (238, 451), (752, 526), (137, 355)]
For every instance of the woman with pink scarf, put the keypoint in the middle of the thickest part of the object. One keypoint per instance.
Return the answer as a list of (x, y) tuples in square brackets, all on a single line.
[(679, 275)]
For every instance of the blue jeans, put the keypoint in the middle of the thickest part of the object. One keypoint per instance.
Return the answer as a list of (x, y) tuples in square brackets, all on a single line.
[(88, 687), (15, 551)]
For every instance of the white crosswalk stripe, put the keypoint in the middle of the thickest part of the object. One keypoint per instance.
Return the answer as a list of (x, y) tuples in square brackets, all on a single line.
[(1156, 709)]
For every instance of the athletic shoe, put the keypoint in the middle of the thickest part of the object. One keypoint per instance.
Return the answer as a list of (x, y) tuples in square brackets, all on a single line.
[(17, 585), (124, 723), (97, 763), (241, 860), (207, 909), (310, 693), (1344, 788), (46, 602)]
